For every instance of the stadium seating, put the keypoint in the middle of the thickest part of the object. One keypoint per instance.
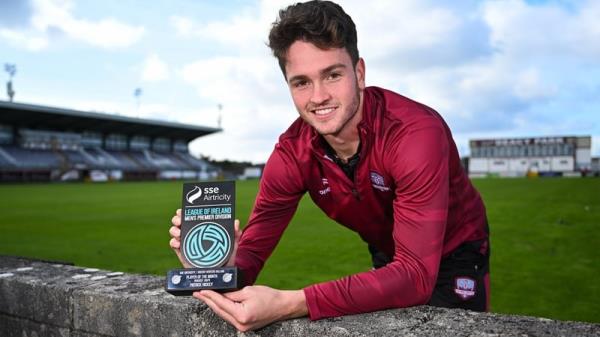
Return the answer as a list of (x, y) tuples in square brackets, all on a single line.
[(14, 157), (29, 158), (43, 143), (192, 161)]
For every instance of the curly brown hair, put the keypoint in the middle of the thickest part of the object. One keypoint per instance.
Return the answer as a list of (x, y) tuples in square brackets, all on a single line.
[(322, 23)]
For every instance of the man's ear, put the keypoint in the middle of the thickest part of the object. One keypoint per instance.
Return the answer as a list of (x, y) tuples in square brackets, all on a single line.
[(359, 71)]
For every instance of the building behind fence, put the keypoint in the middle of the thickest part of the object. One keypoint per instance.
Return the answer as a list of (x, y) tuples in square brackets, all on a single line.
[(513, 157)]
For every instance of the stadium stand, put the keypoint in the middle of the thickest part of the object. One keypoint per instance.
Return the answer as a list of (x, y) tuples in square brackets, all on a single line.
[(532, 156), (41, 143)]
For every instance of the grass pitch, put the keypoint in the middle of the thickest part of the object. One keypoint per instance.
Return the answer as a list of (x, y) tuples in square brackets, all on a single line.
[(544, 237)]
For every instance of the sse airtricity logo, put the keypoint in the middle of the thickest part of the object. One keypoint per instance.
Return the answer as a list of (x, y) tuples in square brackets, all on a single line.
[(207, 245), (193, 195)]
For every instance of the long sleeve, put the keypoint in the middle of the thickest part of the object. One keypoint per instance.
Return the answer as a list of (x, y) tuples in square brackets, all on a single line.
[(279, 193), (418, 162)]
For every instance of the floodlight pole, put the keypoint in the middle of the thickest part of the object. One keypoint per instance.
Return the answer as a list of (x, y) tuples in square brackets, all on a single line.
[(220, 117), (137, 93), (11, 69)]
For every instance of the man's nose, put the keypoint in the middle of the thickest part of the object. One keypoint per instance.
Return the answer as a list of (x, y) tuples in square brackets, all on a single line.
[(320, 94)]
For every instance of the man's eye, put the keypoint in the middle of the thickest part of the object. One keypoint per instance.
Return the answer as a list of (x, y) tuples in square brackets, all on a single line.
[(300, 84), (334, 76)]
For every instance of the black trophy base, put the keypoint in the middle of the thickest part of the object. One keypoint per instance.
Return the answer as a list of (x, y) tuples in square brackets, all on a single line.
[(183, 282)]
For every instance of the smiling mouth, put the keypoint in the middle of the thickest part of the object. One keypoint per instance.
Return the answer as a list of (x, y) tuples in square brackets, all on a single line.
[(323, 111)]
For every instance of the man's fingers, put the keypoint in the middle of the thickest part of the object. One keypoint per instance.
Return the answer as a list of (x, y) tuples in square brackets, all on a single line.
[(175, 232), (218, 310), (176, 220), (175, 244), (224, 303)]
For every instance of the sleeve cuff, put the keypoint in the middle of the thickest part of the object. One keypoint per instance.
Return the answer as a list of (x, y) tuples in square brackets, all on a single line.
[(312, 303)]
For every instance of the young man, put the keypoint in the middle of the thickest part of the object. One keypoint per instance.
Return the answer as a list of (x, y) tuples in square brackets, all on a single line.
[(372, 160)]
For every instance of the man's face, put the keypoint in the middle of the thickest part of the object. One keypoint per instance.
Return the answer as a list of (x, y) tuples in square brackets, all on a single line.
[(325, 86)]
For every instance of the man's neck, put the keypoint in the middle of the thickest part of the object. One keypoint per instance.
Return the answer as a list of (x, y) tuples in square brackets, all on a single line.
[(344, 149), (345, 143)]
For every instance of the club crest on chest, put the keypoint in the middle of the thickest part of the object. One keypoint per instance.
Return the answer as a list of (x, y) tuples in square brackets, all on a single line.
[(465, 287), (378, 182)]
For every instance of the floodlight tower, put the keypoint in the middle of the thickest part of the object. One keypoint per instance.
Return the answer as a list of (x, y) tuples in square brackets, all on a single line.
[(137, 93), (219, 118), (11, 69)]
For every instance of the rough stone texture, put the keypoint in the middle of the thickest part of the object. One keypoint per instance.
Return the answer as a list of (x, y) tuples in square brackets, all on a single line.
[(16, 327), (53, 299)]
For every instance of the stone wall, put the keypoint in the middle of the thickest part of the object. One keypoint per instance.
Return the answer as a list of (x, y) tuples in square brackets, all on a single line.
[(40, 298)]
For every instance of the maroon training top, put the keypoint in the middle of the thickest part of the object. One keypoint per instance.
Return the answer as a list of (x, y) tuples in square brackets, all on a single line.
[(410, 198)]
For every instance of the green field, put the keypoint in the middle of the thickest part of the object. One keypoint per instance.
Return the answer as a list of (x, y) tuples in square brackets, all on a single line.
[(544, 237)]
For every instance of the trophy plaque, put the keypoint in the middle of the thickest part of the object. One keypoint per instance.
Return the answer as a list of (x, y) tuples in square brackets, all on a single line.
[(207, 239)]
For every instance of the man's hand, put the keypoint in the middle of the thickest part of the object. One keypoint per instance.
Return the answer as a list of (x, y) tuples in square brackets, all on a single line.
[(175, 243), (255, 306)]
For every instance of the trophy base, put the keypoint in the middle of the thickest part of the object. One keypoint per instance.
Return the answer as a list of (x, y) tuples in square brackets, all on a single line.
[(183, 282)]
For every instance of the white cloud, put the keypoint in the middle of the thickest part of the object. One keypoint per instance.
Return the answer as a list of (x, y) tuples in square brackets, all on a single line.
[(528, 61), (242, 31), (486, 67), (529, 86), (257, 106), (55, 16), (236, 80), (106, 33), (28, 40), (416, 34), (183, 26), (154, 69), (245, 32), (544, 31), (491, 68), (247, 81)]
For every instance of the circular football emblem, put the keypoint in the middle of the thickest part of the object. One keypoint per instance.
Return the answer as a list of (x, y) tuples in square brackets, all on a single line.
[(207, 245), (176, 279)]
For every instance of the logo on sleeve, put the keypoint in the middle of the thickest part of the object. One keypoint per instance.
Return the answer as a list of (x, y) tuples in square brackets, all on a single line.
[(465, 287), (326, 189), (378, 182)]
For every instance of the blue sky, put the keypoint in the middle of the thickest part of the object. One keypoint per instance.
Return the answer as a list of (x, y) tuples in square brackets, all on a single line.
[(491, 68)]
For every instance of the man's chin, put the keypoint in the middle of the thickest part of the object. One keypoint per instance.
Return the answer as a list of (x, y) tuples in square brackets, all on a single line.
[(321, 128), (327, 132)]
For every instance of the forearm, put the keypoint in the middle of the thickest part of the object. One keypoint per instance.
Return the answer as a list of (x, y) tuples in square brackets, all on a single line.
[(294, 304), (396, 285)]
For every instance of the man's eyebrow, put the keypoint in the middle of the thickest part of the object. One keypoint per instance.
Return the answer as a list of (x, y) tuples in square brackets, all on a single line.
[(297, 78), (324, 71), (332, 68)]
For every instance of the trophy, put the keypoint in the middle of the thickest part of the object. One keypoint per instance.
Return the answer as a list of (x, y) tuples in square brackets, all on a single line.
[(207, 239)]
